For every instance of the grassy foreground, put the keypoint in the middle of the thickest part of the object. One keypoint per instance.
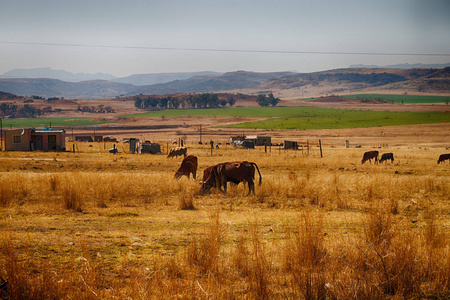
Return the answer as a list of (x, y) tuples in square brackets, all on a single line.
[(91, 226)]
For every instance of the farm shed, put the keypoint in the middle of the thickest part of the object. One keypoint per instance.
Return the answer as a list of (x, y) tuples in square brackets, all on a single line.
[(290, 145), (151, 148), (253, 140), (30, 139), (98, 138), (110, 139), (83, 138), (259, 140)]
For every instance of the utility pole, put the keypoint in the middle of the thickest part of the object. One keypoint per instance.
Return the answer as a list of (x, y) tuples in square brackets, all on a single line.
[(1, 133), (200, 134)]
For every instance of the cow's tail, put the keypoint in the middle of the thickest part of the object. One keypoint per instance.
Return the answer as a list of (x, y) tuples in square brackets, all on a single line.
[(260, 177)]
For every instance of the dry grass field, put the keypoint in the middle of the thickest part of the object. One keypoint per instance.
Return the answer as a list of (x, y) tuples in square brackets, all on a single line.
[(93, 225)]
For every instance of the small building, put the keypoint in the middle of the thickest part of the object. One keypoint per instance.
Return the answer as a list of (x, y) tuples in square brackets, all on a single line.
[(253, 140), (259, 140), (151, 148), (110, 139), (98, 138), (31, 139), (290, 145), (84, 138)]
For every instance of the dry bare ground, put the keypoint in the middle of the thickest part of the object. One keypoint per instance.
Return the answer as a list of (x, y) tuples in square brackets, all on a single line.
[(91, 225)]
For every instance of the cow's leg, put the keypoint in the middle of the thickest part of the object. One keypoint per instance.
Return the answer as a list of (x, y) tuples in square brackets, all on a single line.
[(251, 187), (224, 184)]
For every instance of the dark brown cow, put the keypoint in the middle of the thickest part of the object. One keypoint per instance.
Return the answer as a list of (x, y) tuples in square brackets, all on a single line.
[(177, 152), (444, 157), (239, 171), (188, 166), (207, 174), (369, 156), (386, 157)]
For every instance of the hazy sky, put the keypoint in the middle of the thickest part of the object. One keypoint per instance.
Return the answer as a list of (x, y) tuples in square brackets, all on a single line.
[(124, 37)]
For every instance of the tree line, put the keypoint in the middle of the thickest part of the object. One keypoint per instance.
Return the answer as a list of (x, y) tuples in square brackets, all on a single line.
[(16, 111), (207, 100)]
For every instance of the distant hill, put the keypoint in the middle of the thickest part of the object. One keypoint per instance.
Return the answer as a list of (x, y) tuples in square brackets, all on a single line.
[(55, 74), (404, 66), (213, 83), (158, 78), (136, 79), (69, 90), (106, 89), (357, 80), (281, 84), (4, 95)]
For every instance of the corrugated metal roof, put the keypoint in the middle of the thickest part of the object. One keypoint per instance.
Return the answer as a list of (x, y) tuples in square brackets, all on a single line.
[(48, 130)]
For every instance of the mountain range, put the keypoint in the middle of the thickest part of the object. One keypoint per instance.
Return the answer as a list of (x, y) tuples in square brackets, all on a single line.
[(282, 84), (135, 79)]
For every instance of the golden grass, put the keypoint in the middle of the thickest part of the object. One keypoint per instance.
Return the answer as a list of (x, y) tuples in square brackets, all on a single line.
[(97, 225)]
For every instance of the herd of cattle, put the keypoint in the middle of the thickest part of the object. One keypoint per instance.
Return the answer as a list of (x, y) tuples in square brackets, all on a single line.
[(217, 176), (368, 156)]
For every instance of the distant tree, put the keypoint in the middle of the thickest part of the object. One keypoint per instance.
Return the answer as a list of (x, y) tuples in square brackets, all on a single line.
[(262, 100), (231, 101), (223, 102), (175, 102), (213, 100), (138, 102), (272, 100), (109, 109), (163, 102)]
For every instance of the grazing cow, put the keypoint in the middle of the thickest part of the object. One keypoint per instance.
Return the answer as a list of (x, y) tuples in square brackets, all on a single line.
[(217, 176), (369, 156), (387, 156), (174, 152), (444, 157), (207, 174), (188, 166)]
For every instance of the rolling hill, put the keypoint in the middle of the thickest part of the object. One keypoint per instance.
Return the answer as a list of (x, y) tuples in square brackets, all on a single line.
[(282, 84)]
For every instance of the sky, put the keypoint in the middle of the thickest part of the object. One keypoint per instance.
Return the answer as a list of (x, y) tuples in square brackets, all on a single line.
[(125, 37)]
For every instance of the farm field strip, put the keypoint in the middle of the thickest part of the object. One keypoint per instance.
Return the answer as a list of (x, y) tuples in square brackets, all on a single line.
[(48, 122), (402, 98), (309, 117)]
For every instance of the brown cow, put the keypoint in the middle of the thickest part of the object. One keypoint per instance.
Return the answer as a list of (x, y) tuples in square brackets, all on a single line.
[(444, 157), (369, 156), (386, 157), (219, 175), (188, 166), (174, 152)]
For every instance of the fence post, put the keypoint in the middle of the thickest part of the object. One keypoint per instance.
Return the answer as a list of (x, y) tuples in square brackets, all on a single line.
[(307, 147), (320, 145)]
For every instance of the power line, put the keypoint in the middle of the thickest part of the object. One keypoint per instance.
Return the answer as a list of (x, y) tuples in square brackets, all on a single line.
[(225, 50)]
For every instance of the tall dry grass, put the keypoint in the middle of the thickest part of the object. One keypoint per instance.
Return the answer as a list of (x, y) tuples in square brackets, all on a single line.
[(122, 227)]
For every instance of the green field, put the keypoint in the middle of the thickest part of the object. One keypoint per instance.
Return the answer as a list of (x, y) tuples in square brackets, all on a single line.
[(404, 98), (335, 119), (310, 117), (277, 118), (47, 122)]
